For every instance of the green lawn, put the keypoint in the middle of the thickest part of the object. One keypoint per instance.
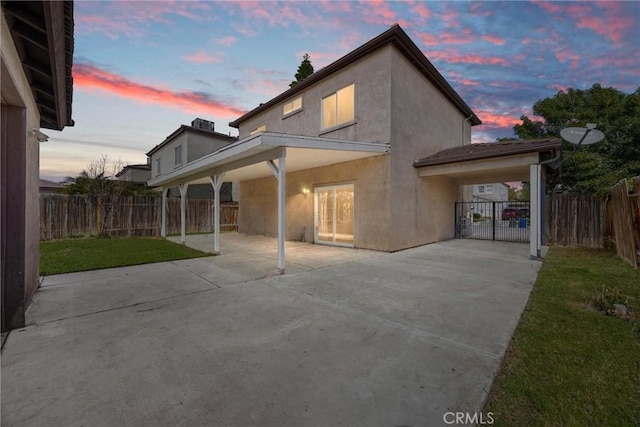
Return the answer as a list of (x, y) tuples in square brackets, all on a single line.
[(570, 364), (66, 256)]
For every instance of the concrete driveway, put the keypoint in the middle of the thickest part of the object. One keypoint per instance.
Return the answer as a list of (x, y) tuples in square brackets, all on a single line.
[(347, 337)]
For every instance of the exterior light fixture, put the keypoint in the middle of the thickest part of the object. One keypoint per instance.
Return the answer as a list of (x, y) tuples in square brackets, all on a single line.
[(305, 191), (41, 137)]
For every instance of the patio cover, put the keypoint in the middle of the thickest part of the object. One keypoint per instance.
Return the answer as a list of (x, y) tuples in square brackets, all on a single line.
[(254, 157)]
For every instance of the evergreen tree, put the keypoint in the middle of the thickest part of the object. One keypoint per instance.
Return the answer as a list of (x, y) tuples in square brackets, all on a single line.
[(304, 70)]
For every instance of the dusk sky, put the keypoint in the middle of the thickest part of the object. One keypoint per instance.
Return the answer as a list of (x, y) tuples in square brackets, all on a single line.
[(141, 69)]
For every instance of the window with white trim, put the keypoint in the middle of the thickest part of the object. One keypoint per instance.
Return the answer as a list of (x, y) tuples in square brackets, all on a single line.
[(481, 189), (158, 169), (292, 106), (178, 155), (339, 107), (258, 129), (488, 189)]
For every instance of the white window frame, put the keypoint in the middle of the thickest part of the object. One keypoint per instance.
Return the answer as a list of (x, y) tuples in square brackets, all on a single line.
[(177, 153), (158, 166), (480, 189), (337, 108), (260, 128), (290, 107), (488, 189)]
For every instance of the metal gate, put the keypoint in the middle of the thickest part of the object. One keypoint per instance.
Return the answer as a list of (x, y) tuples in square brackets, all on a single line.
[(505, 221)]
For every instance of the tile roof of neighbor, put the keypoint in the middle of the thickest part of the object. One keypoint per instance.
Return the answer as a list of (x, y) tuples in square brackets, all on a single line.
[(142, 166), (185, 128), (488, 150), (396, 36)]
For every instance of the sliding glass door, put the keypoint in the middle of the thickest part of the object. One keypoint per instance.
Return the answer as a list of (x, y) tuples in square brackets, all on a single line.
[(334, 215)]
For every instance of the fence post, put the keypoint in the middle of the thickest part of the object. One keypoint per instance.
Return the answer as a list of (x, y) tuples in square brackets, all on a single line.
[(494, 221)]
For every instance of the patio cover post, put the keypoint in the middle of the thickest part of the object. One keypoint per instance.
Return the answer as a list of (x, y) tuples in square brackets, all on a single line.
[(163, 228), (279, 172), (183, 202), (534, 230), (216, 182)]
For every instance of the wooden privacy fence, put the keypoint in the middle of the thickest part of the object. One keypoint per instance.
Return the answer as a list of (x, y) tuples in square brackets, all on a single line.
[(575, 220), (624, 216), (63, 216)]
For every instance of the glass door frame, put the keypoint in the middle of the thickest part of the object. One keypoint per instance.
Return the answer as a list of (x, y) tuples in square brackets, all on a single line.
[(315, 215)]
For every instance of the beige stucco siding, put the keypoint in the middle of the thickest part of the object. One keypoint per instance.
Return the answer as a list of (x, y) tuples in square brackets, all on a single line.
[(370, 177), (16, 91), (167, 156), (372, 78), (423, 122), (201, 145)]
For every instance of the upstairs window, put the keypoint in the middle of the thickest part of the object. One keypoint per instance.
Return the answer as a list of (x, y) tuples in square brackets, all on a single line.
[(292, 106), (258, 129), (488, 189), (158, 169), (178, 155), (481, 189), (338, 107)]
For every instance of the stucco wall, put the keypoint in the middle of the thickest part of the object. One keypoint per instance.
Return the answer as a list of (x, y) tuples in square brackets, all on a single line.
[(423, 122), (372, 78), (138, 175), (24, 177), (201, 145), (167, 156), (258, 209)]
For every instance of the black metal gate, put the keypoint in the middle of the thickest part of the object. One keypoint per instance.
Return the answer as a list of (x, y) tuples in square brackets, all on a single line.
[(505, 221)]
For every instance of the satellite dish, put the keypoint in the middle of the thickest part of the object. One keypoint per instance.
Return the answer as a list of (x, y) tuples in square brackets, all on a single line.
[(581, 136)]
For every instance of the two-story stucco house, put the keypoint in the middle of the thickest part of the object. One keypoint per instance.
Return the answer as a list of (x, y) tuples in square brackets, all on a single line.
[(386, 91), (184, 145), (351, 149)]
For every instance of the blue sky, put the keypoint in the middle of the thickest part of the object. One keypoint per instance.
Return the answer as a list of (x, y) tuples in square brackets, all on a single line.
[(141, 69)]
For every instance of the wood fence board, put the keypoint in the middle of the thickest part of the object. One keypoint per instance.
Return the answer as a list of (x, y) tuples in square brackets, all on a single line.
[(63, 216)]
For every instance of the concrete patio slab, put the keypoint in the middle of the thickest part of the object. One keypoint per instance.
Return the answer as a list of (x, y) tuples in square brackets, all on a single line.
[(365, 338)]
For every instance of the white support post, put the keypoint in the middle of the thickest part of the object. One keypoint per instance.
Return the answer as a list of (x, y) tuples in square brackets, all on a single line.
[(163, 228), (183, 208), (216, 182), (534, 230), (279, 172)]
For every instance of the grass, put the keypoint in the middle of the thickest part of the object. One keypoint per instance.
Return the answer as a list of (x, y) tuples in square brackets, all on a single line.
[(67, 256), (568, 363)]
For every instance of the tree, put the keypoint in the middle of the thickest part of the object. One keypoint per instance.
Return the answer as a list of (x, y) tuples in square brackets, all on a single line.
[(595, 168), (304, 70), (98, 184)]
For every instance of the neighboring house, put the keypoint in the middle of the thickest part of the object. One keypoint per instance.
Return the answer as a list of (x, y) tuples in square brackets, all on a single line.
[(136, 174), (496, 192), (484, 196), (351, 149), (36, 58), (184, 145), (50, 187)]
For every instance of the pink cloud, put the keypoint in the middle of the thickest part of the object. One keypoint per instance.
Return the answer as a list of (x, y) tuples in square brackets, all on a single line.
[(452, 56), (558, 87), (203, 58), (422, 10), (548, 7), (131, 18), (227, 41), (497, 40), (89, 77), (455, 37), (492, 120)]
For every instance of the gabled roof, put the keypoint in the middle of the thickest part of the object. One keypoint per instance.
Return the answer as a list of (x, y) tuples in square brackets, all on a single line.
[(489, 150), (186, 128), (395, 36), (42, 32)]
